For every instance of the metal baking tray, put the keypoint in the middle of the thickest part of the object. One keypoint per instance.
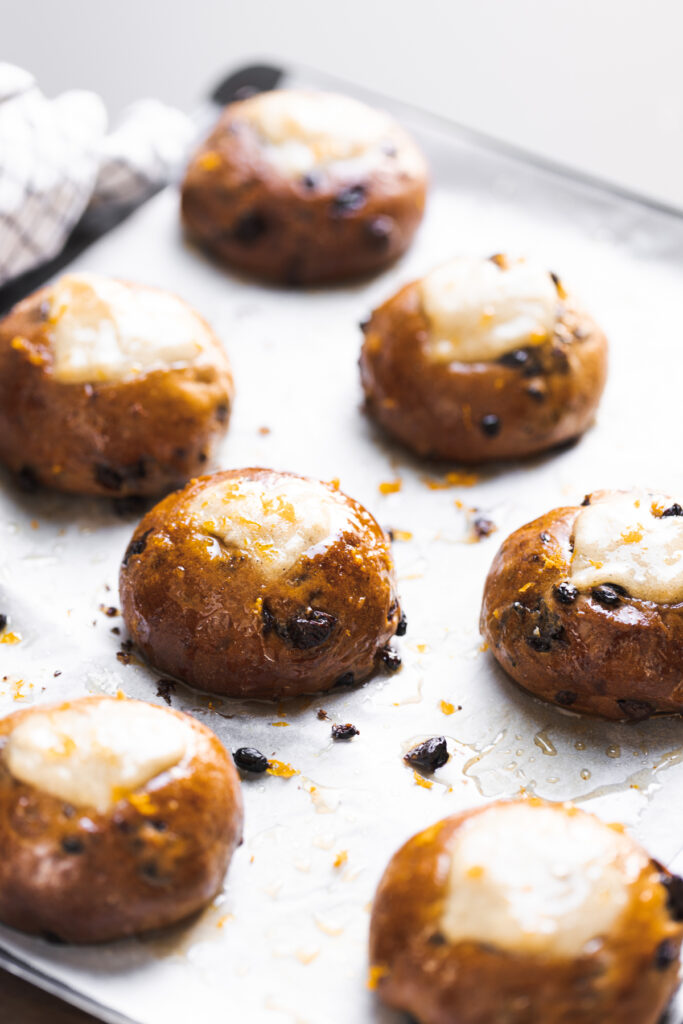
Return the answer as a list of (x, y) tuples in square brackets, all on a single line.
[(286, 940)]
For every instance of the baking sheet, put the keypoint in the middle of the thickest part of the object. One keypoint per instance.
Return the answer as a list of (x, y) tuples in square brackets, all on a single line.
[(286, 940)]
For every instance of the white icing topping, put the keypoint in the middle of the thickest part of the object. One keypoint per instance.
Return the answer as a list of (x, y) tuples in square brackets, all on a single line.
[(274, 519), (303, 131), (478, 310), (624, 539), (103, 329), (96, 752), (537, 879)]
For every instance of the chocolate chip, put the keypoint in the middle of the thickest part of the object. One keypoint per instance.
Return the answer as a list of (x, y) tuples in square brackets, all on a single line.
[(437, 939), (609, 594), (666, 954), (674, 895), (672, 510), (310, 629), (348, 200), (110, 611), (490, 425), (390, 659), (565, 698), (402, 627), (516, 360), (71, 844), (344, 732), (565, 592), (249, 759), (635, 710), (27, 479), (136, 546), (108, 477), (165, 687), (430, 755), (249, 228), (379, 231)]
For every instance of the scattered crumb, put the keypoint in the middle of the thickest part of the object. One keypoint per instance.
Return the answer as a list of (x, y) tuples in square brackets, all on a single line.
[(322, 714), (420, 781), (165, 687), (264, 431), (281, 769), (340, 859)]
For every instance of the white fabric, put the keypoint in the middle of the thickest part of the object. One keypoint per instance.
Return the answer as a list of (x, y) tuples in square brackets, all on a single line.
[(57, 163)]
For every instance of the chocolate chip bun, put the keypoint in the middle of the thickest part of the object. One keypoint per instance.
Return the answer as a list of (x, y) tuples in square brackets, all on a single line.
[(584, 606), (302, 187), (252, 583), (109, 388), (483, 359), (116, 817), (526, 912)]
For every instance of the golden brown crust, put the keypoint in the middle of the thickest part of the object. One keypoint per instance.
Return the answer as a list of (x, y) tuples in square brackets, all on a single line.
[(239, 207), (136, 437), (620, 662), (439, 409), (81, 876), (417, 970), (221, 625)]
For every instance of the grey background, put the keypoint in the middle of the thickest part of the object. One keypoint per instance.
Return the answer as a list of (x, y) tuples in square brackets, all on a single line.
[(597, 84)]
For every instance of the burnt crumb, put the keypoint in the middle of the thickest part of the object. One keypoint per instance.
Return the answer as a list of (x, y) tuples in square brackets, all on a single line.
[(249, 759), (348, 200), (556, 281), (131, 505), (482, 527), (391, 659), (115, 630), (57, 672), (250, 227), (107, 476), (344, 732), (3, 622), (165, 687), (565, 698), (565, 592), (586, 501), (136, 546), (347, 679), (635, 710), (109, 610), (379, 231), (437, 939), (490, 425), (609, 594), (321, 714), (430, 755), (71, 844), (402, 627), (672, 510), (674, 895), (666, 954), (27, 479), (222, 412), (124, 655), (309, 630)]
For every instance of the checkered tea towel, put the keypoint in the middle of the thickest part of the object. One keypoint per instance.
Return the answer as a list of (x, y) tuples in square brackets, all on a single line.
[(57, 164)]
